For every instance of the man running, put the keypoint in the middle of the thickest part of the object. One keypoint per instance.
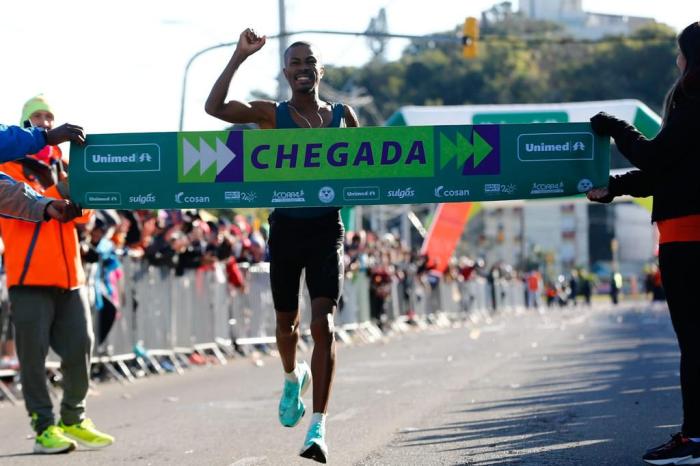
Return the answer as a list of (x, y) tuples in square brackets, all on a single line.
[(308, 238)]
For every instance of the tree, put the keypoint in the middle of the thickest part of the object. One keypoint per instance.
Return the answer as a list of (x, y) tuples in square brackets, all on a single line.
[(520, 62)]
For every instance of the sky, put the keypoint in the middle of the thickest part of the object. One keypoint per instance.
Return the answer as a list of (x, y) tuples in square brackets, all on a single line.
[(116, 67)]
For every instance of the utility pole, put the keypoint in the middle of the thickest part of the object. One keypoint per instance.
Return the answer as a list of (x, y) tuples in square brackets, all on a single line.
[(378, 25), (282, 88)]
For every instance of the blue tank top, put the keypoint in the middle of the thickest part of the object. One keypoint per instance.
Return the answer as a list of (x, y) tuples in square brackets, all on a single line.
[(283, 119)]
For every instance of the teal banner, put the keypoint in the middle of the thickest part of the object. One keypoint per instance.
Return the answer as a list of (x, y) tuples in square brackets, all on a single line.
[(337, 166)]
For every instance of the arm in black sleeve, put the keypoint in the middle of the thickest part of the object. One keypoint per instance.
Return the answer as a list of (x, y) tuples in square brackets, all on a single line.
[(664, 150), (636, 183)]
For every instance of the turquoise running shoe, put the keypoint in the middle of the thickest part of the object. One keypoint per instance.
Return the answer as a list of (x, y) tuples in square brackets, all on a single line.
[(315, 447), (291, 408)]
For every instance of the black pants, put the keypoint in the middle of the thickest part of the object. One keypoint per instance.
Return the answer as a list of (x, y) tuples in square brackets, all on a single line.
[(680, 274)]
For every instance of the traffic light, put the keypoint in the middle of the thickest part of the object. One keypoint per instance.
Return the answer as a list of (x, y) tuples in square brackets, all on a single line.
[(470, 36)]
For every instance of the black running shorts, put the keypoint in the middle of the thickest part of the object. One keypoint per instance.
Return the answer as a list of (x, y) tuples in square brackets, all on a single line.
[(314, 244)]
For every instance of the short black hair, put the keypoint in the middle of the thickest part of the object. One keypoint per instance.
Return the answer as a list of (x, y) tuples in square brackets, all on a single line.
[(298, 43)]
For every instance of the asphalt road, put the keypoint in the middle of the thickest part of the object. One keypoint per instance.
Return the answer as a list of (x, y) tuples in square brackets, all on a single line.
[(574, 387)]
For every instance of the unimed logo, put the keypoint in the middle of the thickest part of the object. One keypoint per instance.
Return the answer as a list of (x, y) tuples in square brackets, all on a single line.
[(361, 193), (97, 198), (547, 147), (119, 158)]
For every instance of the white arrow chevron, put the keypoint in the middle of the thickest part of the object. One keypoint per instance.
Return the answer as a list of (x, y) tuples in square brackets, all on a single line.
[(206, 156), (190, 156), (224, 156)]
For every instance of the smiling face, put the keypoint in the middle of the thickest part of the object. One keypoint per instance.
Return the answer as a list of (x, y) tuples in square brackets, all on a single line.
[(303, 69)]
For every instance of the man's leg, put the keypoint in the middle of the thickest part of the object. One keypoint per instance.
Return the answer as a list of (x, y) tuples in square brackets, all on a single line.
[(287, 335), (33, 310), (285, 278), (72, 339), (324, 278), (323, 357)]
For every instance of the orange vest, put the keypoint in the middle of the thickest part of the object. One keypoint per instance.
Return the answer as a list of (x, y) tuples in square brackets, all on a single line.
[(45, 253)]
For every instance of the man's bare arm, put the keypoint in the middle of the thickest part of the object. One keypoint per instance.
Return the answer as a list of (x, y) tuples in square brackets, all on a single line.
[(351, 118), (261, 112)]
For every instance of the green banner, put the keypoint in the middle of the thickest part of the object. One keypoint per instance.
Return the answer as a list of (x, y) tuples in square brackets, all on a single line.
[(337, 166)]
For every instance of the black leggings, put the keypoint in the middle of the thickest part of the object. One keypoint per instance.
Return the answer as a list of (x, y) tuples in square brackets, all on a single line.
[(680, 274)]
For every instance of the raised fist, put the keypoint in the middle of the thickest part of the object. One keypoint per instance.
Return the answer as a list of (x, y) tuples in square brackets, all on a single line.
[(249, 42)]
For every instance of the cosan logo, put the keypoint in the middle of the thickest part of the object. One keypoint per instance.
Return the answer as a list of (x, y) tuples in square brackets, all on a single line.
[(181, 198), (547, 188), (440, 191), (402, 193), (288, 196), (143, 199)]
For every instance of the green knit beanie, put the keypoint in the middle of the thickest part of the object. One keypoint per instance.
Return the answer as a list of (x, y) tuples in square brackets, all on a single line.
[(34, 104)]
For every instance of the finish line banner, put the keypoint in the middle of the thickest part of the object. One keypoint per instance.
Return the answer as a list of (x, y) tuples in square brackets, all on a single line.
[(337, 166)]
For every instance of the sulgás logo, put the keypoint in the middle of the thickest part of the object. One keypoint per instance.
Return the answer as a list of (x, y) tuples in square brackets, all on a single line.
[(402, 193), (143, 199), (181, 198)]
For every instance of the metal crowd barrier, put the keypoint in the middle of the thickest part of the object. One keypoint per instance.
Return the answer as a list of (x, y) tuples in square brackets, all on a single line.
[(165, 318)]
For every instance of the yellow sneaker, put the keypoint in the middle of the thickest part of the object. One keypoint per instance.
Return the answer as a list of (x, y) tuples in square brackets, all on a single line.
[(86, 434), (52, 440)]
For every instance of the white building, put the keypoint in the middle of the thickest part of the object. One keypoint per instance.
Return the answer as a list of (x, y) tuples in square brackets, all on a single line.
[(573, 232), (581, 24)]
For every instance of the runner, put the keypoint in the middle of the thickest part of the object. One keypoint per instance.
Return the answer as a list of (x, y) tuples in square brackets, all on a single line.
[(301, 238)]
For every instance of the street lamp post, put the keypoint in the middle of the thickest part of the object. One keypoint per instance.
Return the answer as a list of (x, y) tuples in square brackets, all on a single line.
[(184, 77)]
